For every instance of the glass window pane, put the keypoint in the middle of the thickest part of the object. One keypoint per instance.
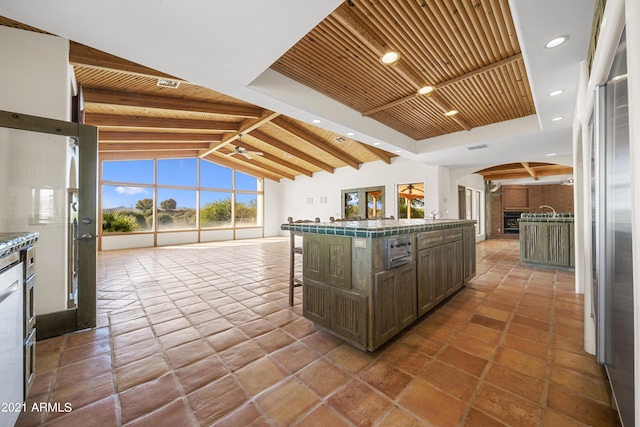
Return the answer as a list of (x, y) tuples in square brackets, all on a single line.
[(246, 210), (215, 209), (182, 172), (351, 201), (374, 204), (246, 182), (176, 209), (126, 209), (136, 171), (214, 176)]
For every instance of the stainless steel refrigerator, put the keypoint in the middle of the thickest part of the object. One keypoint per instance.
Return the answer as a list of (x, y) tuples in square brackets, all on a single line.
[(612, 257)]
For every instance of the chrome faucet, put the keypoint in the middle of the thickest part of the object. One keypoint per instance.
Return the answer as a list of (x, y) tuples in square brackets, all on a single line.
[(547, 206), (434, 214)]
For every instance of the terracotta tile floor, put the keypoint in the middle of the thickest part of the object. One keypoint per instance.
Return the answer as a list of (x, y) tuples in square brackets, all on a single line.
[(203, 335)]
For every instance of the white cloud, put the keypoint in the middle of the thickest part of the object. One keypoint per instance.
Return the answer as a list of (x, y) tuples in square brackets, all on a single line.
[(131, 191)]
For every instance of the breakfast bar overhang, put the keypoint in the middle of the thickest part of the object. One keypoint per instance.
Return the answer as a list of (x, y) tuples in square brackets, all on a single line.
[(365, 281)]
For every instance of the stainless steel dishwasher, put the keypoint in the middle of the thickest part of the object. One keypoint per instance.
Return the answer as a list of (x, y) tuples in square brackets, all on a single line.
[(11, 339)]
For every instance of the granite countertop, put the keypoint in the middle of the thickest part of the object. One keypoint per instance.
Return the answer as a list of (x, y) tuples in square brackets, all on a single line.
[(547, 217), (12, 242), (375, 228)]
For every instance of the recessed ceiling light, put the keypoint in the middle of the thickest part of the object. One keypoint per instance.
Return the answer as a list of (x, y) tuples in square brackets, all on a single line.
[(451, 113), (316, 121), (556, 42), (390, 57), (376, 143), (425, 90), (557, 119), (556, 92), (551, 154), (350, 133), (398, 151)]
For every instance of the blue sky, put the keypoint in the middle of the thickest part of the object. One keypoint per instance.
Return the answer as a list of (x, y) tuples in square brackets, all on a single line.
[(174, 172)]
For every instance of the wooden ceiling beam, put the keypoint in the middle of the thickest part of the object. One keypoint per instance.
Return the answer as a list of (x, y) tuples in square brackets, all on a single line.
[(257, 164), (446, 83), (278, 160), (159, 123), (150, 146), (316, 142), (145, 155), (293, 151), (115, 136), (385, 156), (530, 171), (245, 127), (343, 16), (223, 160), (174, 104), (540, 171)]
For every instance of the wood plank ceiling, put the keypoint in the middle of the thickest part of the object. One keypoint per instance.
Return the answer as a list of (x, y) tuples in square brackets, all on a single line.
[(466, 50), (534, 170), (140, 119)]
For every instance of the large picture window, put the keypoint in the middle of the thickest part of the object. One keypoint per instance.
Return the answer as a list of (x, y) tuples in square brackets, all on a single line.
[(363, 203), (411, 200), (177, 194)]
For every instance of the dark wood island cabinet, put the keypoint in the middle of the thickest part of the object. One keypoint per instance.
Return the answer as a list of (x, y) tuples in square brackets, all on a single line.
[(365, 281), (546, 240)]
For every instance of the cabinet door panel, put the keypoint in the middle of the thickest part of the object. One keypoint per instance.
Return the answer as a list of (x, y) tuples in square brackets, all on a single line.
[(337, 261), (405, 300), (312, 257), (469, 253), (532, 247), (316, 300), (430, 288), (449, 267), (349, 315), (384, 318), (558, 244), (458, 266)]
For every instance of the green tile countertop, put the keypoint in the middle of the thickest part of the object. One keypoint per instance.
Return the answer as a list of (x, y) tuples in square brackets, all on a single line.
[(12, 242), (547, 217), (375, 228)]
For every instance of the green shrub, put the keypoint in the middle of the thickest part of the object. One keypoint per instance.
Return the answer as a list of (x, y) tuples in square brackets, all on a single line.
[(164, 221), (118, 222)]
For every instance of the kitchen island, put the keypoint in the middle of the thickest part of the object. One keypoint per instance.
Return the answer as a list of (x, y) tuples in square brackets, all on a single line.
[(546, 240), (365, 281)]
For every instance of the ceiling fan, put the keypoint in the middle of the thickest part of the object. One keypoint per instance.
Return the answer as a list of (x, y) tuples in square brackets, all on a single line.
[(409, 189), (239, 149)]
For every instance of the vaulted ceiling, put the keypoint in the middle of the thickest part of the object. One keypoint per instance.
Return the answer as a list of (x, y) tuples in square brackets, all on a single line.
[(140, 118), (468, 52)]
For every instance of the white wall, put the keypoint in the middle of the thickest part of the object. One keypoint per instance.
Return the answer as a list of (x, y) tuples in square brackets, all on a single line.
[(272, 207), (35, 80), (301, 199)]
